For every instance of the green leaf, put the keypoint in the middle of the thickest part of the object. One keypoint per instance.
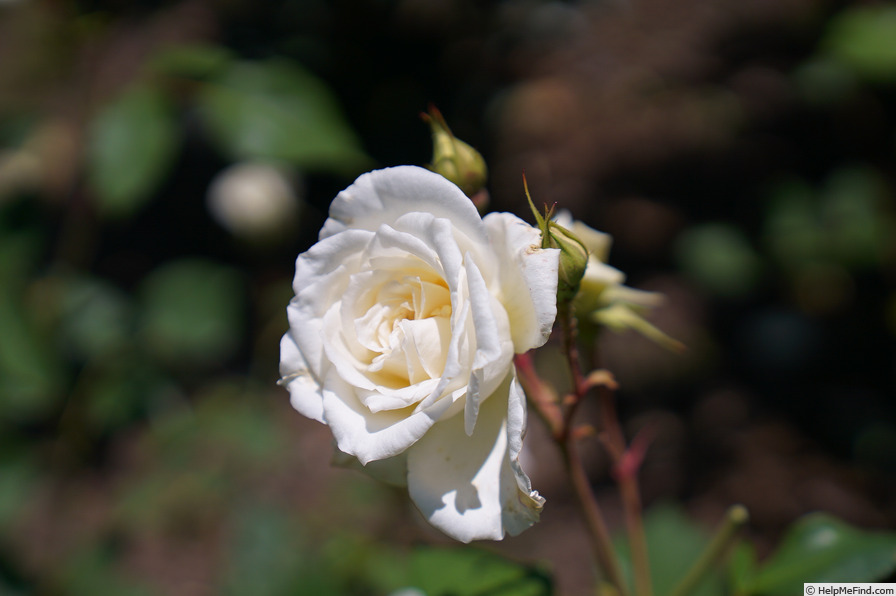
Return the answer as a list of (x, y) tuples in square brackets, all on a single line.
[(792, 233), (277, 111), (822, 548), (231, 417), (194, 61), (359, 560), (97, 318), (168, 498), (94, 571), (271, 557), (719, 257), (8, 590), (741, 567), (862, 37), (121, 387), (854, 211), (472, 572), (31, 375), (192, 312), (674, 543), (824, 81), (131, 146), (18, 478)]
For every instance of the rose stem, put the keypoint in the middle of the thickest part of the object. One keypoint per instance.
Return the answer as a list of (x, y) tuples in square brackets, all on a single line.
[(545, 403), (600, 535), (626, 473)]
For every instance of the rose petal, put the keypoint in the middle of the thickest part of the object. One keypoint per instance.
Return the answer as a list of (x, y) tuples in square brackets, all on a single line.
[(426, 346), (471, 487), (368, 435), (528, 279), (493, 356), (382, 196), (322, 275), (383, 399), (304, 390), (519, 514)]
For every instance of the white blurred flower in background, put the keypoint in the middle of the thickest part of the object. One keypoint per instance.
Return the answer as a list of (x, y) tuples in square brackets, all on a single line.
[(254, 200)]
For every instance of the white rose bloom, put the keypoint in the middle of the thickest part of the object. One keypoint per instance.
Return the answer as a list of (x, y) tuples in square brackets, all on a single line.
[(407, 314)]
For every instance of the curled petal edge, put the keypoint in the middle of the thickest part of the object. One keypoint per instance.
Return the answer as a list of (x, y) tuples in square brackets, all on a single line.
[(472, 487)]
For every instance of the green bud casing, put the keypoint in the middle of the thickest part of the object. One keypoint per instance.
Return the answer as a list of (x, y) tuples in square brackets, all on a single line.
[(452, 158), (573, 252)]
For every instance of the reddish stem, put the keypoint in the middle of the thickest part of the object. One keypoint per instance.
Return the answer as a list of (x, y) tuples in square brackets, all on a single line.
[(600, 535), (627, 462)]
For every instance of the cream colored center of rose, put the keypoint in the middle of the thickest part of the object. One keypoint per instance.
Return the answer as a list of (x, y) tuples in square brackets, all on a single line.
[(404, 323)]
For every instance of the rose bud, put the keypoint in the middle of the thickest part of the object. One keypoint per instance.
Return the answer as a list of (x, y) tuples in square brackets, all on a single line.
[(573, 252), (455, 160)]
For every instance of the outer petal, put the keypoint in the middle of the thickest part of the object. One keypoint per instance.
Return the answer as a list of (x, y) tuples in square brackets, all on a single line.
[(322, 274), (304, 390), (493, 352), (382, 196), (527, 280), (471, 487), (524, 512)]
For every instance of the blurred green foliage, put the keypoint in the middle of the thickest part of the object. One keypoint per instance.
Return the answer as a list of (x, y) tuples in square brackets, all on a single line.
[(468, 572), (667, 524), (31, 371), (818, 548), (862, 37), (132, 145), (150, 370), (814, 238), (271, 110), (719, 257), (191, 312), (277, 111), (106, 342), (138, 341)]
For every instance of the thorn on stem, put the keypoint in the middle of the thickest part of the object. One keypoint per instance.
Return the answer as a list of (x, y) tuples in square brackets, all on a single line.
[(630, 461), (601, 378), (583, 431)]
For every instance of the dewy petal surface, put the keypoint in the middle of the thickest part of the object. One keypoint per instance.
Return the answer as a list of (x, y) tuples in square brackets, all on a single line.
[(471, 487)]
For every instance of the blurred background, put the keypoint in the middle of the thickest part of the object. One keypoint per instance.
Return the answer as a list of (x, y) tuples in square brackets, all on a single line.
[(163, 163)]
